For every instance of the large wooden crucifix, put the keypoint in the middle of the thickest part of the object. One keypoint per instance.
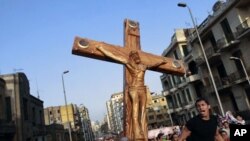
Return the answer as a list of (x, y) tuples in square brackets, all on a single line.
[(135, 62)]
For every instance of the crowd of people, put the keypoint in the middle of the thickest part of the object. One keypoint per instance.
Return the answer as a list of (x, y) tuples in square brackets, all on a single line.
[(224, 122), (203, 127)]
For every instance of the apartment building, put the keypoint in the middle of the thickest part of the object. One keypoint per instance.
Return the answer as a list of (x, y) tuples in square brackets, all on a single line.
[(158, 113), (21, 113), (7, 126), (88, 134), (58, 115), (180, 91), (55, 132), (225, 33), (115, 112), (96, 126)]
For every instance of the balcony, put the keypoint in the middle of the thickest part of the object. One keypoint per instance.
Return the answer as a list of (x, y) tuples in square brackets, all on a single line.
[(193, 78), (188, 57), (243, 30), (224, 45), (166, 92), (209, 87), (225, 81), (212, 54), (172, 90), (236, 76), (199, 60)]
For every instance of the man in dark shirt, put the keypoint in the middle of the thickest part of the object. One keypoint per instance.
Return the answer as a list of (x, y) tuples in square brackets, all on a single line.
[(203, 127)]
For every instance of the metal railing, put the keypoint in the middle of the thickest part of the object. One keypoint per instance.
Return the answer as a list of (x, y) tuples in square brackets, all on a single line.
[(237, 75), (210, 51), (241, 28), (209, 87), (199, 60)]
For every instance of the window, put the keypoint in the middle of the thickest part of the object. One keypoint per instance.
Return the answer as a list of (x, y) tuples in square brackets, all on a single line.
[(175, 101), (212, 39), (176, 55), (41, 117), (193, 67), (177, 79), (185, 50), (170, 83), (25, 108), (179, 98), (33, 116), (238, 54), (184, 97), (151, 117), (173, 78), (159, 117), (227, 30), (188, 95), (8, 109), (170, 101)]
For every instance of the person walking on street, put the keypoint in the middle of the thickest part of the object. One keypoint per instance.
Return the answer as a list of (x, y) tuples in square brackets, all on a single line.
[(203, 127)]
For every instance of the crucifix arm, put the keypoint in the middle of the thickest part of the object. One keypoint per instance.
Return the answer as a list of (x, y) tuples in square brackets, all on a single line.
[(157, 64), (111, 55)]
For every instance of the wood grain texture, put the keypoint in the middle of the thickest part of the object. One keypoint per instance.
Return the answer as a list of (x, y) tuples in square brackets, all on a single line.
[(88, 48), (147, 58)]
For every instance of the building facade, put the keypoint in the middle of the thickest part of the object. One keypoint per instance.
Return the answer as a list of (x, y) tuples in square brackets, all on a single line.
[(115, 112), (7, 126), (158, 113), (58, 115), (88, 134), (224, 34), (21, 109), (180, 91), (78, 118), (55, 132)]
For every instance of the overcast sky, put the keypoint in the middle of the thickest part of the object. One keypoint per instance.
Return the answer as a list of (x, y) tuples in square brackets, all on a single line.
[(36, 37)]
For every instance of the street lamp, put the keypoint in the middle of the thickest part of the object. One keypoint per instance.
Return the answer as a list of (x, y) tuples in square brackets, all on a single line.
[(65, 99), (170, 117), (243, 66), (205, 57)]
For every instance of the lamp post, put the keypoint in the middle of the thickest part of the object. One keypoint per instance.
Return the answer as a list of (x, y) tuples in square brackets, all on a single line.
[(65, 99), (170, 116), (243, 66), (205, 57)]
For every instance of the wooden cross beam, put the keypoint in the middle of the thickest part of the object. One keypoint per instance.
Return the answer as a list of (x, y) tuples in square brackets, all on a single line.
[(135, 123), (87, 48)]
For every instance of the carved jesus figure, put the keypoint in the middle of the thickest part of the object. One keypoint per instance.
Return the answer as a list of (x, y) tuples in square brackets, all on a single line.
[(137, 89)]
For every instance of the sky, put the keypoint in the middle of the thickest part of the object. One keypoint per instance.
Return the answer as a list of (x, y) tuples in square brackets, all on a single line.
[(36, 37)]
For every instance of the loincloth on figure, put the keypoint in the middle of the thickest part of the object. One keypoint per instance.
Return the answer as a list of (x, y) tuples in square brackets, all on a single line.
[(137, 88)]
